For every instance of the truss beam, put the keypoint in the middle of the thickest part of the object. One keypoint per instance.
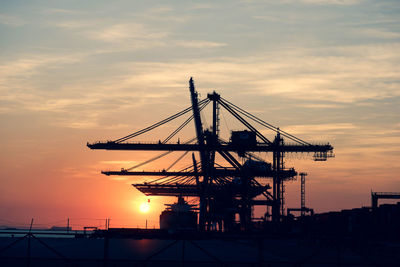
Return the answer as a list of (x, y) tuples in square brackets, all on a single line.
[(287, 148), (223, 172)]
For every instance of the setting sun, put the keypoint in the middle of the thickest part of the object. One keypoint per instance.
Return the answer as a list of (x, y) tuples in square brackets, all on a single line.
[(144, 207)]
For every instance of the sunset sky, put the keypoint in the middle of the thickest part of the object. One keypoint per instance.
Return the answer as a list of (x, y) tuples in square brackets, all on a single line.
[(79, 71)]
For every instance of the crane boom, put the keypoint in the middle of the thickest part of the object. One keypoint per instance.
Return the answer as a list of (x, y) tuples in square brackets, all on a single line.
[(259, 147), (218, 172)]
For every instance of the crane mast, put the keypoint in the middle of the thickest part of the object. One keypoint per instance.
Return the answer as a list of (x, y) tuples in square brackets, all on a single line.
[(198, 126), (203, 155)]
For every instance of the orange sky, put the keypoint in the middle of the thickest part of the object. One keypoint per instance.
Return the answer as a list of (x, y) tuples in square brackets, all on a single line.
[(325, 71)]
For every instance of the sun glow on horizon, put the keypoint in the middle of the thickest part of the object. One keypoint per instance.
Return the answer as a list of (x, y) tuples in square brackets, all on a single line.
[(144, 207)]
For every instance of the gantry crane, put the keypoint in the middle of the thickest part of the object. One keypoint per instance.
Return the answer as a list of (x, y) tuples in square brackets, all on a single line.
[(223, 191), (303, 209)]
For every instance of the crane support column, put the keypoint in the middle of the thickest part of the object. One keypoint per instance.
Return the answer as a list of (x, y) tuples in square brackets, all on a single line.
[(277, 165), (303, 193)]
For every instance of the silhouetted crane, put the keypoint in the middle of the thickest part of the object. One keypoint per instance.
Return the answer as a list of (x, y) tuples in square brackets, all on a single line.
[(223, 191)]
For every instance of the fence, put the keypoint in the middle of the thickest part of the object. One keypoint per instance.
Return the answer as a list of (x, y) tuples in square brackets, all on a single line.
[(55, 249)]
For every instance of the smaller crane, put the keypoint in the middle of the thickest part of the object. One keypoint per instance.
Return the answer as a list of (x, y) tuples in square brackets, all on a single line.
[(303, 209), (375, 196)]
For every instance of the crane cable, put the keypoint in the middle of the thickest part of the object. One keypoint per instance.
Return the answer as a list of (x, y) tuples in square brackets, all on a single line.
[(203, 105), (264, 123), (122, 139), (176, 161), (167, 178), (157, 157), (244, 122)]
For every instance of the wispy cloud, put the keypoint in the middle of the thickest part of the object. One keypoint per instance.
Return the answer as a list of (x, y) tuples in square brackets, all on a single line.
[(340, 78), (321, 106), (87, 121), (335, 81), (16, 85), (13, 21), (378, 33), (162, 14), (198, 6), (320, 128), (79, 124), (126, 37), (59, 11), (200, 44), (123, 32), (29, 64), (73, 24), (309, 2), (119, 162), (330, 2)]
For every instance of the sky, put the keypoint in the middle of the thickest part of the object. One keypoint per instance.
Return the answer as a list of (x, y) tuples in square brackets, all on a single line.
[(73, 72)]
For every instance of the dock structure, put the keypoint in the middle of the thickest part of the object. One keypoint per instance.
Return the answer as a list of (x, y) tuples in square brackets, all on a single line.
[(375, 196)]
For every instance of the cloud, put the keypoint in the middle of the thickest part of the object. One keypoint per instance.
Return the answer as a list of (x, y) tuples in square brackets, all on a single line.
[(330, 2), (378, 33), (119, 162), (86, 121), (320, 106), (123, 32), (200, 44), (123, 36), (163, 14), (128, 37), (11, 20), (73, 24), (315, 78), (58, 11), (347, 75), (309, 2), (198, 6), (28, 65), (61, 104), (320, 128), (79, 124), (16, 74), (17, 88)]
